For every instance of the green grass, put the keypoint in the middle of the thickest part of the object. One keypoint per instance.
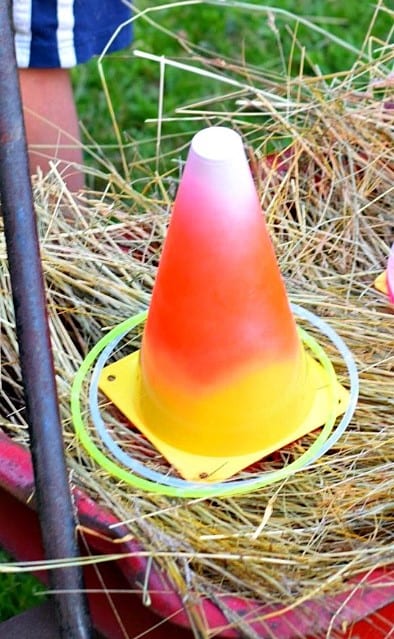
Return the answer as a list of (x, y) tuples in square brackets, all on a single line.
[(274, 44), (17, 592)]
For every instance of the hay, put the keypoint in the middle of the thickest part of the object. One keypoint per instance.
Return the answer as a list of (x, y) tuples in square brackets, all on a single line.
[(328, 205)]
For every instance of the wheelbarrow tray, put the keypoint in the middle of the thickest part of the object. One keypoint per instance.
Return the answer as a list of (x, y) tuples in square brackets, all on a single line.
[(126, 595)]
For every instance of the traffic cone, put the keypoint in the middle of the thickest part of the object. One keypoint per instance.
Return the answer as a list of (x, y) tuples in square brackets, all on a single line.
[(222, 378)]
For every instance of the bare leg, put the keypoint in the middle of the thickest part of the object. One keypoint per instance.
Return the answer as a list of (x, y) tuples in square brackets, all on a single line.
[(51, 123)]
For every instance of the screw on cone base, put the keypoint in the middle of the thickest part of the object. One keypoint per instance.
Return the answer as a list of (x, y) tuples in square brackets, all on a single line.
[(121, 381), (222, 378)]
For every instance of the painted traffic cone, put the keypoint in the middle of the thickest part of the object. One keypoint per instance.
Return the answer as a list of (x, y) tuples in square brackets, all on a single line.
[(222, 378)]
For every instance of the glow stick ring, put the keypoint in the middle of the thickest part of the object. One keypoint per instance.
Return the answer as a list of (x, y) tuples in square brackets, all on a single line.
[(155, 476), (172, 486)]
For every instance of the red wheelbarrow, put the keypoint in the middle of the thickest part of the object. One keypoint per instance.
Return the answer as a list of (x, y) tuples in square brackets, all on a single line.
[(122, 605)]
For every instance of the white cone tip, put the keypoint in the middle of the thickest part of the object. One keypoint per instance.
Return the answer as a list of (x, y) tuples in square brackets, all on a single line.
[(217, 144)]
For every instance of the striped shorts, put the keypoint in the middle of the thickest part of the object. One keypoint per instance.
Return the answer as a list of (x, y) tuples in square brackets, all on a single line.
[(64, 33)]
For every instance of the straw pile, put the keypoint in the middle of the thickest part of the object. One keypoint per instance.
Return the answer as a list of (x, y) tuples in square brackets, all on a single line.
[(329, 209)]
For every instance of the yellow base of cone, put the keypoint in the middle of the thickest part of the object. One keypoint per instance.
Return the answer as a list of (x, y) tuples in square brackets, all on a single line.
[(381, 283), (120, 382)]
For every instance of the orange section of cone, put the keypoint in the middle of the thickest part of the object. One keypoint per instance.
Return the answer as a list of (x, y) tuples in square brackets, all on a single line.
[(219, 302)]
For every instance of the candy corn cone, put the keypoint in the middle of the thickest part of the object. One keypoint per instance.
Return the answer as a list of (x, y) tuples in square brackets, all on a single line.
[(222, 378)]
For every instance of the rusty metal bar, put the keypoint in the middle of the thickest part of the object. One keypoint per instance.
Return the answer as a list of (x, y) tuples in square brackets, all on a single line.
[(51, 478)]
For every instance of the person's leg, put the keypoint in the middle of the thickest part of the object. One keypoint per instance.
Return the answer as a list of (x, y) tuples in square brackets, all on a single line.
[(51, 123)]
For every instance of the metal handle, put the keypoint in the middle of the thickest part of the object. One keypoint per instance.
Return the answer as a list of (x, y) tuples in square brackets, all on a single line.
[(53, 494)]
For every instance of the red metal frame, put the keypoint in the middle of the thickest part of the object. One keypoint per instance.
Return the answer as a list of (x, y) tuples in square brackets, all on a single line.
[(366, 611)]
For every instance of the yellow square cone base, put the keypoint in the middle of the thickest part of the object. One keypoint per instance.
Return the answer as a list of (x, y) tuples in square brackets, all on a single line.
[(120, 382), (381, 283)]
